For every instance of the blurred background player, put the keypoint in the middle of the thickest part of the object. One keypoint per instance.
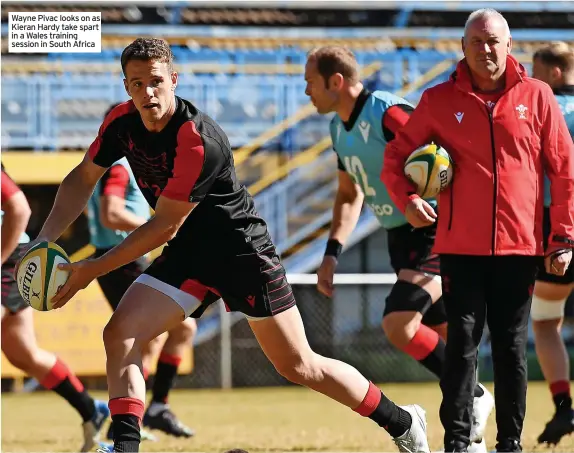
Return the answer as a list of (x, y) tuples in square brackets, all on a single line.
[(414, 319), (18, 336), (116, 208), (554, 64)]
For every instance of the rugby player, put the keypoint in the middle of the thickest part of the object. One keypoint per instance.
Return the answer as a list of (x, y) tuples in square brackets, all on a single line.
[(18, 337), (217, 242), (116, 208)]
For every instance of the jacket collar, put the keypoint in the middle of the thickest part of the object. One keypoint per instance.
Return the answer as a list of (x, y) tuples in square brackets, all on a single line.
[(514, 74)]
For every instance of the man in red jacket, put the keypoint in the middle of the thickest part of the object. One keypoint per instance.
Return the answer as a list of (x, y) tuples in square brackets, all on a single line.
[(503, 130)]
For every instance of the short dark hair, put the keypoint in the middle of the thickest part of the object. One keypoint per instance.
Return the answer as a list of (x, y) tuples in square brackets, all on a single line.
[(336, 59), (557, 53), (146, 49)]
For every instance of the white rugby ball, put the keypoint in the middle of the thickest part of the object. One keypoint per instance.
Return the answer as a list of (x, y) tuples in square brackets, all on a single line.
[(430, 169), (38, 276)]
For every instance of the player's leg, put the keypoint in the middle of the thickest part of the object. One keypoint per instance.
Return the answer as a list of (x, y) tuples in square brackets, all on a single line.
[(256, 285), (409, 299), (21, 349), (283, 340), (548, 302), (114, 285), (417, 288), (414, 319), (147, 310), (159, 415)]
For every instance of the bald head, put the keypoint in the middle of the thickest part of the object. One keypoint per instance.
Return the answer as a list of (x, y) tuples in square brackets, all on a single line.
[(486, 45), (490, 16)]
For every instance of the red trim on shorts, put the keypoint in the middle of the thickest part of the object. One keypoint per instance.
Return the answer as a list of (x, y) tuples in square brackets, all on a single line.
[(117, 182), (120, 110), (58, 374), (370, 402), (126, 406), (195, 288), (187, 164), (169, 359), (8, 188), (560, 387), (423, 343)]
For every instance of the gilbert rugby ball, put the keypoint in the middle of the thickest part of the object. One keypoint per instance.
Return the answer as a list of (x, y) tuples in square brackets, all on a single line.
[(430, 169), (38, 276)]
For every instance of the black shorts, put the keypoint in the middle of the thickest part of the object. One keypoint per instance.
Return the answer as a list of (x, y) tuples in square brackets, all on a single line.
[(411, 248), (253, 283), (544, 276), (11, 298), (116, 283)]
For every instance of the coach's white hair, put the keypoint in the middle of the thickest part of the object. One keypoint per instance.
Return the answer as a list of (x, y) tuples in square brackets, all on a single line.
[(486, 13)]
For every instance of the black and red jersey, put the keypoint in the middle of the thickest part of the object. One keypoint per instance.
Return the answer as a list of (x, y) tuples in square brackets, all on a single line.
[(190, 159)]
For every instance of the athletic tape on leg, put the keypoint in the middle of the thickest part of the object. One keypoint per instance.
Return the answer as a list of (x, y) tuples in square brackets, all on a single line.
[(544, 310)]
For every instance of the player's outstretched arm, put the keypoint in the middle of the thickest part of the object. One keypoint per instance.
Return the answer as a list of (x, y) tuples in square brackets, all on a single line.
[(71, 199), (16, 215), (162, 227)]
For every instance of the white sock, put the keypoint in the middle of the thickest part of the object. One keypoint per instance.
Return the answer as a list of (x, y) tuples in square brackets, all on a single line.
[(155, 408)]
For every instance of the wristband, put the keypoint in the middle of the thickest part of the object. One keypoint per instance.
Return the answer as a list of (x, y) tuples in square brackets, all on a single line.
[(334, 248)]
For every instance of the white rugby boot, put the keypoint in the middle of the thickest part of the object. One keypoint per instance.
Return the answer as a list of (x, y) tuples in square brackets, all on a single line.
[(415, 439), (481, 409)]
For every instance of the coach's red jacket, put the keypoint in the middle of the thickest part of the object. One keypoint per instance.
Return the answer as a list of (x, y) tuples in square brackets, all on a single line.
[(494, 204)]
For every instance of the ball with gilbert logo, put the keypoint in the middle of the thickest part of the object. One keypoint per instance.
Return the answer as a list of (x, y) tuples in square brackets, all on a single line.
[(38, 276)]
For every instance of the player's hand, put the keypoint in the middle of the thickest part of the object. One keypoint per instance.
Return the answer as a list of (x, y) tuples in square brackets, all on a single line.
[(81, 275), (557, 260), (325, 275), (419, 213), (23, 251)]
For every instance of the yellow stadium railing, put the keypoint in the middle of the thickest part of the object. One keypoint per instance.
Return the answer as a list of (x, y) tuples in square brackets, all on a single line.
[(41, 167), (311, 153)]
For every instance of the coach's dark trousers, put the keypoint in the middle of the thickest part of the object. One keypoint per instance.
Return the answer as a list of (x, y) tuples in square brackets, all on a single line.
[(497, 289)]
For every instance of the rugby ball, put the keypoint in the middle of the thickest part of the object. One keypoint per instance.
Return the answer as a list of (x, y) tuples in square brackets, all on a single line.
[(38, 276), (430, 169)]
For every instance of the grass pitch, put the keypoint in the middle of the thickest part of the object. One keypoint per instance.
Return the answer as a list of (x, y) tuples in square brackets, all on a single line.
[(266, 419)]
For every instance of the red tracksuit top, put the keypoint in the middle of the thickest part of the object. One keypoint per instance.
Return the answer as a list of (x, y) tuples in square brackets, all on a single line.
[(494, 204)]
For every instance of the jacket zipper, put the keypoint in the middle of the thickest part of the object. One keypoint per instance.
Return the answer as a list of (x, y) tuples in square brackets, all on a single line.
[(495, 173), (451, 202)]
